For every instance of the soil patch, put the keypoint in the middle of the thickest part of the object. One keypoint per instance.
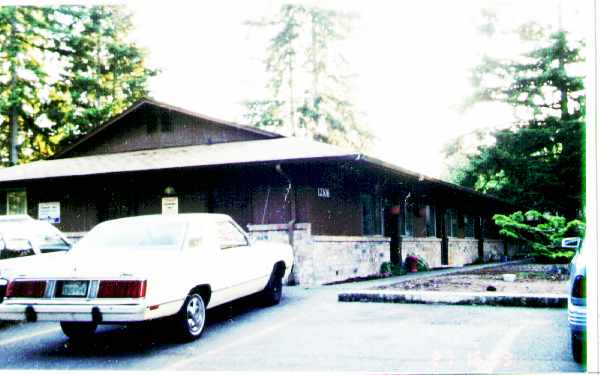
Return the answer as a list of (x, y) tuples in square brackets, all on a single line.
[(529, 278)]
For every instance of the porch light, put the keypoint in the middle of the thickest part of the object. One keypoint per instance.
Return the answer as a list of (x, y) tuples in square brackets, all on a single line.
[(169, 190)]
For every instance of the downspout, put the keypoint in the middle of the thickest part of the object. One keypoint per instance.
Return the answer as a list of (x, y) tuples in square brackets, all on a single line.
[(290, 191)]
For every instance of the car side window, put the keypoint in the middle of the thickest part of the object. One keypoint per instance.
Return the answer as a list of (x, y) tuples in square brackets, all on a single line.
[(230, 236)]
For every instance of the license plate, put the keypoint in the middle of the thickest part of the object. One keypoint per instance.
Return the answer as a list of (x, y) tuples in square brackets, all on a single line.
[(74, 289)]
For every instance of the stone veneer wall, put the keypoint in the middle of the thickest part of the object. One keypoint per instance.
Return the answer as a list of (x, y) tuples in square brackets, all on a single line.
[(428, 248), (325, 259), (493, 250), (462, 251)]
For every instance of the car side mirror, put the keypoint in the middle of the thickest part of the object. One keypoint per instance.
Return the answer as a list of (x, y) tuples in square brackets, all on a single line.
[(570, 243)]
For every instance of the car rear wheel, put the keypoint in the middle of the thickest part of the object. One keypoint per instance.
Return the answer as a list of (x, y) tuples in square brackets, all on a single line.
[(191, 318), (78, 330), (271, 295), (578, 348)]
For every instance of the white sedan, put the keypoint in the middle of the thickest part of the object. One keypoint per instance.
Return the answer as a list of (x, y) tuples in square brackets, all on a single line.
[(148, 267)]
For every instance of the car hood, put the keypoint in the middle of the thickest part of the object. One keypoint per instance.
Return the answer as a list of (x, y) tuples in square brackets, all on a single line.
[(95, 264)]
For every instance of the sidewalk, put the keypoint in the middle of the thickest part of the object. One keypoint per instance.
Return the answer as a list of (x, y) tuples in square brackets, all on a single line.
[(360, 292)]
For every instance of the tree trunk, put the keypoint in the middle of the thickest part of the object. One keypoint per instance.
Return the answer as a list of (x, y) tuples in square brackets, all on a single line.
[(13, 120)]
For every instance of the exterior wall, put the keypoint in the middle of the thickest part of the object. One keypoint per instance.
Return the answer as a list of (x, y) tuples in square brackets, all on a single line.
[(325, 259), (462, 251), (150, 127), (428, 248), (493, 250)]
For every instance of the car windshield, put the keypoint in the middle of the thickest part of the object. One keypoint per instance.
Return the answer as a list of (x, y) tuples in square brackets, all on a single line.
[(43, 234), (119, 235)]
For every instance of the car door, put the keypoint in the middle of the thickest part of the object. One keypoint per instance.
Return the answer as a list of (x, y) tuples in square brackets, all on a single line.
[(236, 256)]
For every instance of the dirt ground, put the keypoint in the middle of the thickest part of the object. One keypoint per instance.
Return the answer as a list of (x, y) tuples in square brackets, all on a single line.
[(530, 278)]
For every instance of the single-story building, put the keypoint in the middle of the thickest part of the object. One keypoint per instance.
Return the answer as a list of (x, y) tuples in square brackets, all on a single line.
[(344, 212)]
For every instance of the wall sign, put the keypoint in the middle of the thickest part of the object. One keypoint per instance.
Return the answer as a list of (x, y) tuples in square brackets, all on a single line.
[(323, 193), (170, 206), (49, 211)]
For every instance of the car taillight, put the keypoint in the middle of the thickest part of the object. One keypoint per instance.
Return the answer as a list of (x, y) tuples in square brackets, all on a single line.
[(26, 288), (578, 290), (122, 289)]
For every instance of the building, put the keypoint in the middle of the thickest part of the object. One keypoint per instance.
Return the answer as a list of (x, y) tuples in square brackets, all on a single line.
[(344, 212)]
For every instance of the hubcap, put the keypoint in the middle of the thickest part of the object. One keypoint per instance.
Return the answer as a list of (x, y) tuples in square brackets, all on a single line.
[(195, 314)]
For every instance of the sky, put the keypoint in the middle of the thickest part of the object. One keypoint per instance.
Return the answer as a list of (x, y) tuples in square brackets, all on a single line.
[(411, 61)]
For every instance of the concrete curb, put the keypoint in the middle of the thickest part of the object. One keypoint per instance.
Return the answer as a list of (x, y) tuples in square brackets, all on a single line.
[(456, 298)]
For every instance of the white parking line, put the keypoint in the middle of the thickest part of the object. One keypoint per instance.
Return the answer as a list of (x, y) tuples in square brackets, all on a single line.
[(501, 356), (185, 362), (15, 339)]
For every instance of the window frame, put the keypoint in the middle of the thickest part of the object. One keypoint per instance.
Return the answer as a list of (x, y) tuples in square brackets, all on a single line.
[(237, 229)]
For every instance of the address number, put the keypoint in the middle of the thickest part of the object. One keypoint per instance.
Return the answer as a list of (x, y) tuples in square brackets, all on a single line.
[(323, 193)]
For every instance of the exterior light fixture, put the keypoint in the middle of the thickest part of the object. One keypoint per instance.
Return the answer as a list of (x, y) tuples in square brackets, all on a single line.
[(169, 190)]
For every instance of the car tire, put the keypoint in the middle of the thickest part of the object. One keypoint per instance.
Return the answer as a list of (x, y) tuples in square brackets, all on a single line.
[(190, 320), (271, 295), (578, 348), (78, 331)]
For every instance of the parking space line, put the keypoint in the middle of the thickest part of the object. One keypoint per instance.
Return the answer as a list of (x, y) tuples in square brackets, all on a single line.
[(15, 339), (184, 362), (501, 356)]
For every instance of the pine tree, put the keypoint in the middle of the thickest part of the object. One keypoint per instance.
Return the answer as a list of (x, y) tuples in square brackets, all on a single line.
[(309, 91), (64, 69), (538, 162)]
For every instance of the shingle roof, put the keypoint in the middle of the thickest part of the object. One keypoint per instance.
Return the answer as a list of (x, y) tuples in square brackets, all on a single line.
[(278, 149)]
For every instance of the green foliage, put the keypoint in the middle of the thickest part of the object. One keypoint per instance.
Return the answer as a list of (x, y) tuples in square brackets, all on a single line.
[(390, 269), (63, 70), (542, 233), (308, 86), (538, 162)]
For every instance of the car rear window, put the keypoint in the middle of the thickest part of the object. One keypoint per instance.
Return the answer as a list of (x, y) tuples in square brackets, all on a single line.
[(119, 235)]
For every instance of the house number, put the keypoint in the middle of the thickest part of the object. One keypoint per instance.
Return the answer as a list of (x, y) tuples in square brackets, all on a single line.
[(323, 193)]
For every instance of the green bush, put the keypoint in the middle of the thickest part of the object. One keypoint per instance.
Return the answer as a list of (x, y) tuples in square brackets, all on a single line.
[(542, 233), (390, 269)]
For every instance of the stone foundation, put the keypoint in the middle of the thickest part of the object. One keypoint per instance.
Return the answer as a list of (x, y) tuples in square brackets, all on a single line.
[(324, 259), (493, 250), (428, 248), (462, 251)]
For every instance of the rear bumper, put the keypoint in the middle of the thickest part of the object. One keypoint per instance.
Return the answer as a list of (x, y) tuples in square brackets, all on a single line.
[(100, 313), (577, 319)]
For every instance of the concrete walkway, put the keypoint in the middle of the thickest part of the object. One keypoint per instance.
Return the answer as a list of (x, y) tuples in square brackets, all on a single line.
[(361, 292)]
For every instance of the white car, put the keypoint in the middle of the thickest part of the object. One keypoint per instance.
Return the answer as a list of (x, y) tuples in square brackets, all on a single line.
[(148, 267), (577, 305), (22, 236)]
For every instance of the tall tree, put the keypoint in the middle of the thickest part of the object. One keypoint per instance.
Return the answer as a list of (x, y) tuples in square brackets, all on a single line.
[(309, 91), (538, 162), (64, 69)]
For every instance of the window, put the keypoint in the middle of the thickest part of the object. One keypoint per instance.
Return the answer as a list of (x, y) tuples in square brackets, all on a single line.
[(430, 221), (408, 226), (371, 215), (230, 236), (16, 202), (469, 226), (451, 222)]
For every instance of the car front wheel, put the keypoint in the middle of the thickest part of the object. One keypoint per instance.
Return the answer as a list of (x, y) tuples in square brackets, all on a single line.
[(191, 318), (78, 330), (271, 295)]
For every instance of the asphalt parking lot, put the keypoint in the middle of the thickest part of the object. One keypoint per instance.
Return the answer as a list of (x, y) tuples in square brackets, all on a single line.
[(311, 331)]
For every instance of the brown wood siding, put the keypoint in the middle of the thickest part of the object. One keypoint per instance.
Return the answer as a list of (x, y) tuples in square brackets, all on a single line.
[(150, 127)]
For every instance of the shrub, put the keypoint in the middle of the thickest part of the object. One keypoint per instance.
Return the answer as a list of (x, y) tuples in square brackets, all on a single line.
[(542, 233), (390, 269)]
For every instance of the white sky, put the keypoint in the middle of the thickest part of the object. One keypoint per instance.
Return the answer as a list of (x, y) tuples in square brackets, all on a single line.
[(411, 61)]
